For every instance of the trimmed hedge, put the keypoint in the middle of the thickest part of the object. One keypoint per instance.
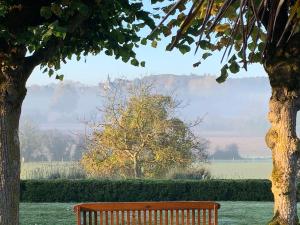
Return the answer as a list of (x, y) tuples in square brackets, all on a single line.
[(144, 190)]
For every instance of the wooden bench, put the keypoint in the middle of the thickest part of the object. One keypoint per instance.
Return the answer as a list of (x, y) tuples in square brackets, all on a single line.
[(148, 213)]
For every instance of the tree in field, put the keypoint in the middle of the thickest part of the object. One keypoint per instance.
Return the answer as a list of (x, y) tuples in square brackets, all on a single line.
[(30, 140), (252, 31), (141, 137), (45, 33)]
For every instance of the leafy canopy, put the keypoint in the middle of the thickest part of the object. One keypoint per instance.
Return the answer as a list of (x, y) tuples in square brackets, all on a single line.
[(140, 137), (46, 32), (252, 28)]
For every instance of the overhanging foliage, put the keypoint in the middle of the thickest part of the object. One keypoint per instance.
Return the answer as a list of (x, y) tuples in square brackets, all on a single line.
[(49, 32), (251, 27)]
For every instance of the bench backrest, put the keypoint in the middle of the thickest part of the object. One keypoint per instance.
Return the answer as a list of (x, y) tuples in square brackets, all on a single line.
[(148, 213)]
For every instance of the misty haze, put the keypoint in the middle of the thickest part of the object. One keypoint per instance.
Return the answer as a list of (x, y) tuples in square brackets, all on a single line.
[(233, 112)]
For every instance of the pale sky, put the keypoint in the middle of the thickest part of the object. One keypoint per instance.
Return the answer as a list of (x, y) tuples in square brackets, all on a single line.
[(158, 61)]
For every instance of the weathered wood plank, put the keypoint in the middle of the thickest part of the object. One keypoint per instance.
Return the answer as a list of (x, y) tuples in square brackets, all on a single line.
[(134, 210)]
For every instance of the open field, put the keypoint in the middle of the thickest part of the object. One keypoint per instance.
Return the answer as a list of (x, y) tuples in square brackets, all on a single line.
[(240, 169), (46, 170), (231, 213), (235, 169)]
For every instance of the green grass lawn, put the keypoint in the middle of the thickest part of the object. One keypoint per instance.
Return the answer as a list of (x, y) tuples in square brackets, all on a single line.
[(231, 213), (47, 214)]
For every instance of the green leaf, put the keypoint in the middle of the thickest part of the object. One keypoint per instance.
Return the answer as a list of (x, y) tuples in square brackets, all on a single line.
[(144, 41), (196, 64), (55, 8), (184, 49), (3, 10), (47, 34), (234, 67), (261, 46), (256, 57), (206, 55), (58, 30), (224, 74), (237, 46), (125, 58), (50, 72), (189, 40), (59, 77), (154, 44), (134, 62), (251, 46), (31, 49), (240, 54), (166, 31), (232, 59), (108, 52), (204, 44), (46, 12), (116, 35), (143, 64), (82, 8)]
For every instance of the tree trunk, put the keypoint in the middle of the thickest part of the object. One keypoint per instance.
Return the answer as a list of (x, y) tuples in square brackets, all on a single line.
[(283, 67), (136, 168), (12, 94), (283, 142)]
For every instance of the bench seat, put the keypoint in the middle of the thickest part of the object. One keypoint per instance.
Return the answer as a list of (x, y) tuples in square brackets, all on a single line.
[(148, 213)]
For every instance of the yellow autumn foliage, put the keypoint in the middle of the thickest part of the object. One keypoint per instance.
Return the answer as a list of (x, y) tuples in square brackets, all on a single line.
[(221, 28), (141, 138)]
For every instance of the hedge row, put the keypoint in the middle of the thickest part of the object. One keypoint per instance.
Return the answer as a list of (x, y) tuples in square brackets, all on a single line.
[(144, 190)]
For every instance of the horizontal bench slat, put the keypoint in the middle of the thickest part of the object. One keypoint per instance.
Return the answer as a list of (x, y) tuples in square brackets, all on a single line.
[(124, 206), (148, 213)]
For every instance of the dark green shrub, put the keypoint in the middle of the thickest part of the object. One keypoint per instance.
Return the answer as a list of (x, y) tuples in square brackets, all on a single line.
[(144, 190)]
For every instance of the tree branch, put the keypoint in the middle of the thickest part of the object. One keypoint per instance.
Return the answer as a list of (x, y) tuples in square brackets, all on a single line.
[(264, 14), (43, 54), (51, 48)]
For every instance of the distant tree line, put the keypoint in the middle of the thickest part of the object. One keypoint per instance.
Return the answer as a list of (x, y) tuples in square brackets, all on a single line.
[(229, 152), (49, 145)]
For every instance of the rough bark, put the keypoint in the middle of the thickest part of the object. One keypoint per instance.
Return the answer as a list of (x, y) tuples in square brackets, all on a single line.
[(136, 168), (12, 93), (283, 68), (283, 142)]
